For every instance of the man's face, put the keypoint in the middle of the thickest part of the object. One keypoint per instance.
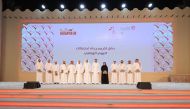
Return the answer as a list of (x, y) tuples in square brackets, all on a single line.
[(55, 62), (129, 62), (48, 61), (64, 62), (78, 62), (72, 62), (121, 61), (95, 60), (86, 61), (39, 60), (136, 60), (114, 62)]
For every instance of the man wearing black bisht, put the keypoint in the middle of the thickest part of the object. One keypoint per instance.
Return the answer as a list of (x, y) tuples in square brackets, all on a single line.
[(104, 69)]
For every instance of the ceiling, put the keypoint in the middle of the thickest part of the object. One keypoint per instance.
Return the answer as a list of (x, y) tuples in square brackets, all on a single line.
[(92, 4)]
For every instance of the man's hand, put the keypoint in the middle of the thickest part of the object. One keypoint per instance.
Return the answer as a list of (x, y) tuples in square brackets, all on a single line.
[(122, 70), (130, 71), (49, 71), (56, 73), (137, 70), (114, 71), (39, 70)]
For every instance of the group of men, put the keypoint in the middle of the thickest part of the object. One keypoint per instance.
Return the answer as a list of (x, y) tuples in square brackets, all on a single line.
[(86, 73)]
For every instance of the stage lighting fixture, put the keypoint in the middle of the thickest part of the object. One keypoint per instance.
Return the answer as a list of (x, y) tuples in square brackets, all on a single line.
[(43, 6), (150, 5), (103, 6), (62, 6), (82, 6), (123, 5)]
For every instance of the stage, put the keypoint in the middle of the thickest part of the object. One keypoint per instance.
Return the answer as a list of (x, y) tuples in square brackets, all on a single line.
[(155, 86), (56, 96), (91, 41)]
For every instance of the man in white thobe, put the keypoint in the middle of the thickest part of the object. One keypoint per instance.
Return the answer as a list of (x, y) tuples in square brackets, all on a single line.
[(95, 72), (79, 71), (72, 72), (49, 75), (114, 73), (122, 72), (129, 72), (56, 75), (87, 72), (39, 71), (63, 73), (137, 71)]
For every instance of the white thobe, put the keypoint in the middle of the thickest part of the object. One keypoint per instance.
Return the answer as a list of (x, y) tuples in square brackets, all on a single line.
[(39, 72), (87, 75), (137, 74), (56, 75), (122, 73), (114, 74), (63, 73), (72, 72), (130, 73), (49, 73), (79, 75), (95, 73)]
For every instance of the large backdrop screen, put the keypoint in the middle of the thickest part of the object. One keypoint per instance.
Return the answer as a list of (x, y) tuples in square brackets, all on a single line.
[(151, 42)]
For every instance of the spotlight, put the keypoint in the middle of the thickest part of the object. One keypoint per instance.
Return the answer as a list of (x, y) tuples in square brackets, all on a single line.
[(62, 6), (43, 6), (82, 6), (150, 5), (123, 5), (103, 6)]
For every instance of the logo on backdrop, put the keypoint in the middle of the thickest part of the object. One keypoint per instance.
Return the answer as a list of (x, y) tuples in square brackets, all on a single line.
[(121, 30), (132, 27), (67, 32)]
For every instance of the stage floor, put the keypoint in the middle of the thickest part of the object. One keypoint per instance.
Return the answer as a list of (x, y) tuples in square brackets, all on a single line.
[(59, 96), (155, 86)]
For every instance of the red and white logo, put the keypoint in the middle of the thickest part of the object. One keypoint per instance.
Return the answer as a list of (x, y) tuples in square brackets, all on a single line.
[(67, 32)]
